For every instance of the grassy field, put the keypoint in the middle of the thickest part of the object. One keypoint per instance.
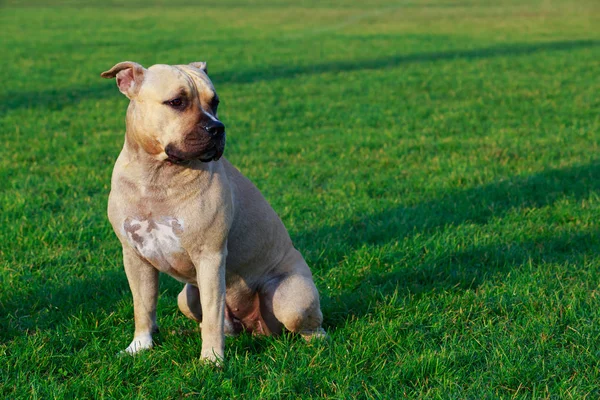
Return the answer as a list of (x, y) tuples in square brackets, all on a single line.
[(436, 162)]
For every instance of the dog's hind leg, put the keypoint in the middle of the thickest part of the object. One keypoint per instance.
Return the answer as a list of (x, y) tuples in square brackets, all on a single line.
[(189, 302), (293, 300)]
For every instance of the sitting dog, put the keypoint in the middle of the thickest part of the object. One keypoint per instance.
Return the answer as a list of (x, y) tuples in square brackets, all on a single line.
[(178, 207)]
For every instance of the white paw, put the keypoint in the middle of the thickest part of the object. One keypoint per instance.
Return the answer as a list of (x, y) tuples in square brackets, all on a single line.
[(139, 343), (211, 355)]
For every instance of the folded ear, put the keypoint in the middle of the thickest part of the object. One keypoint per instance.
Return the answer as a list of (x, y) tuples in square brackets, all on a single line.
[(201, 65), (130, 76)]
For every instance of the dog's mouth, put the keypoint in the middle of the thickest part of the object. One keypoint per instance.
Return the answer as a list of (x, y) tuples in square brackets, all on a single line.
[(175, 156), (178, 161), (210, 155)]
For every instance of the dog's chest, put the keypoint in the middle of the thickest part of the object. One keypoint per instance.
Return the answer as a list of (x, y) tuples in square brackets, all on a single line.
[(158, 241)]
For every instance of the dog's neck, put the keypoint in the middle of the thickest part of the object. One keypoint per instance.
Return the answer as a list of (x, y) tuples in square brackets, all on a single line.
[(155, 170)]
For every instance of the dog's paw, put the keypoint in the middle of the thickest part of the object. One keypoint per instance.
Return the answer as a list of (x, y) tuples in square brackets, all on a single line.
[(139, 343), (210, 356), (314, 335)]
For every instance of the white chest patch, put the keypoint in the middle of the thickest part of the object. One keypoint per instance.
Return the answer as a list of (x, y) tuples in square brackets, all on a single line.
[(154, 239)]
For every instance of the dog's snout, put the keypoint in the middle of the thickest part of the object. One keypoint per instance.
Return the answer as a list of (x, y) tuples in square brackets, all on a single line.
[(215, 128)]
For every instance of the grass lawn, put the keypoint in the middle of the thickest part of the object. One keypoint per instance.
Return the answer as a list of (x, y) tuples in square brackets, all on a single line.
[(436, 162)]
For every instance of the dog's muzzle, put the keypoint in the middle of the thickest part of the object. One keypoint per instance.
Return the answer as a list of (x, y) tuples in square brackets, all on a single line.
[(206, 144)]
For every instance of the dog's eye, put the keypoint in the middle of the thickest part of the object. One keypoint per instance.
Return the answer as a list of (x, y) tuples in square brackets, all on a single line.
[(214, 103), (175, 103)]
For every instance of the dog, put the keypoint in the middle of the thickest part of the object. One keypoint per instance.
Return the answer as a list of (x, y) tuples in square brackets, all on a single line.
[(179, 207)]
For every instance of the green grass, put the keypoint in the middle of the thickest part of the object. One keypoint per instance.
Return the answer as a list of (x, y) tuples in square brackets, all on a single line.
[(436, 162)]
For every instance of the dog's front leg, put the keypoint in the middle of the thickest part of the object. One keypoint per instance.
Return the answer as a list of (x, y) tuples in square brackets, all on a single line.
[(210, 269), (143, 282)]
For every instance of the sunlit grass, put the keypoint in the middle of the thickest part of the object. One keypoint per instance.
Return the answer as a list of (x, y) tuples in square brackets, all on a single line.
[(435, 162)]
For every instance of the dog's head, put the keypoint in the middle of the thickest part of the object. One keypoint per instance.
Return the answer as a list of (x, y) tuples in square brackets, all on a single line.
[(172, 113)]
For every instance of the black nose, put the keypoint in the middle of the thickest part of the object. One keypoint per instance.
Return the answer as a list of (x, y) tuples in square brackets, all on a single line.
[(215, 128)]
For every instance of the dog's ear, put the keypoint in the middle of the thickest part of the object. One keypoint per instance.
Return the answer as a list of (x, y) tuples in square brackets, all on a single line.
[(201, 65), (130, 76)]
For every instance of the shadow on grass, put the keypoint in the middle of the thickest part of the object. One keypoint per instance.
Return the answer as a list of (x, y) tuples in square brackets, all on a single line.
[(465, 269), (58, 99), (49, 304), (291, 71)]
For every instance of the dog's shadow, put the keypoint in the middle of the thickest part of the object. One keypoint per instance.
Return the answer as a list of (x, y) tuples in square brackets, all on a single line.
[(460, 269)]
